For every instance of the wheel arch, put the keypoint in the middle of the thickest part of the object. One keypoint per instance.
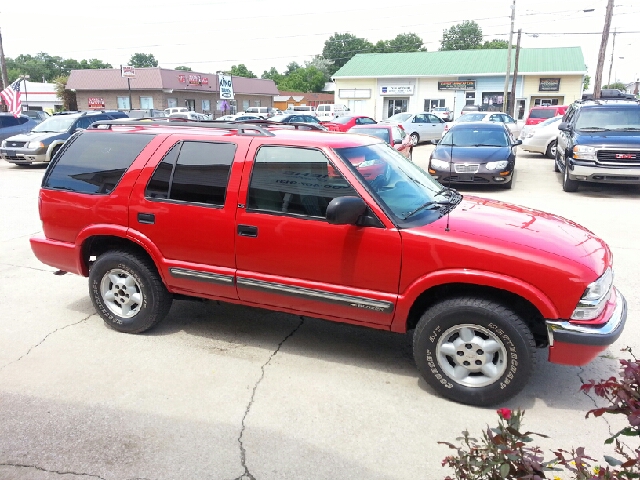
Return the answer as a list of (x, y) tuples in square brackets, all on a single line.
[(52, 147), (529, 312)]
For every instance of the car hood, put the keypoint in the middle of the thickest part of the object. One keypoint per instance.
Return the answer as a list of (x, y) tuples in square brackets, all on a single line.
[(609, 139), (471, 154), (555, 255), (38, 137)]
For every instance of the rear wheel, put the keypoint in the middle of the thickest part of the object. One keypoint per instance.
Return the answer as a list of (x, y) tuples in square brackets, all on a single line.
[(474, 351), (128, 292), (551, 149), (415, 138)]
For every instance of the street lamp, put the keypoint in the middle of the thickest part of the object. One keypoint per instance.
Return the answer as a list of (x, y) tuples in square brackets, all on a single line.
[(26, 94)]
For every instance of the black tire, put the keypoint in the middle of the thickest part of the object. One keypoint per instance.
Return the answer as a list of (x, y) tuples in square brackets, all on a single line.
[(508, 185), (555, 164), (153, 299), (411, 155), (568, 185), (54, 151), (415, 138), (492, 326), (551, 149)]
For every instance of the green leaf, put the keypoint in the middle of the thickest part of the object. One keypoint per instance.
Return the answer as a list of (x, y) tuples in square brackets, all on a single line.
[(505, 468), (614, 462)]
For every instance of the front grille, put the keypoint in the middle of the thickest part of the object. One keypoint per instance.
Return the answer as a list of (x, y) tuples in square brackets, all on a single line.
[(619, 157), (13, 144), (465, 168), (456, 179)]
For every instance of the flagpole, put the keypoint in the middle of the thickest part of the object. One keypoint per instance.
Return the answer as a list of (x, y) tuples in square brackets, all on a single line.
[(3, 66)]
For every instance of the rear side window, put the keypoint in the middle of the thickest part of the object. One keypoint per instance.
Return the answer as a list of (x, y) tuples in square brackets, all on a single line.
[(11, 121), (194, 172), (542, 113), (94, 162)]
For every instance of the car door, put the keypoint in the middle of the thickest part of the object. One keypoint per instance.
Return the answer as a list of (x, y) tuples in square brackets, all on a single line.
[(511, 124), (185, 205), (289, 257), (436, 127)]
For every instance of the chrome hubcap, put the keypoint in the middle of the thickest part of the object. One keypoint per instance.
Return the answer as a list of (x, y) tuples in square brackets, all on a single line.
[(121, 293), (471, 355)]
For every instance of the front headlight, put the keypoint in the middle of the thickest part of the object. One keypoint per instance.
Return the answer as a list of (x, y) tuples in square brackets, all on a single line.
[(439, 164), (496, 165), (35, 145), (595, 297), (584, 152)]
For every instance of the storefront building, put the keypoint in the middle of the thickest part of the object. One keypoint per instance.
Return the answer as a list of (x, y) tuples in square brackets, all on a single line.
[(160, 88), (383, 84), (293, 99)]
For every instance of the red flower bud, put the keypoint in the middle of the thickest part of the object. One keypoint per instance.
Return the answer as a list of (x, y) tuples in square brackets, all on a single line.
[(504, 413)]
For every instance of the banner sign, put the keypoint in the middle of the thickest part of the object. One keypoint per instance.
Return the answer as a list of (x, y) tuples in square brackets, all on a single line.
[(549, 85), (222, 106), (457, 85), (96, 102), (397, 90), (128, 72), (226, 87)]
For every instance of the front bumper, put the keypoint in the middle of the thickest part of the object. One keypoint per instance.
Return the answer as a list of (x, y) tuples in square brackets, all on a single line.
[(602, 174), (23, 155), (575, 344)]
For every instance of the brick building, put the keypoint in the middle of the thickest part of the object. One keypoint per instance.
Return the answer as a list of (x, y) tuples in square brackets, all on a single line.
[(160, 88)]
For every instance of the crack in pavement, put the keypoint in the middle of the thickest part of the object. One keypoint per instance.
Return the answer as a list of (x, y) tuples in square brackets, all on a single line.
[(246, 475), (30, 268), (58, 472), (46, 336)]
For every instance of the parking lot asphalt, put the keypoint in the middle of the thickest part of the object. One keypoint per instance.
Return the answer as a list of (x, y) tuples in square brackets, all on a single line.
[(219, 391)]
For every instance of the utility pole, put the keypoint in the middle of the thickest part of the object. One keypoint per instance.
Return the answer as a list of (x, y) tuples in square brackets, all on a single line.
[(512, 95), (597, 84), (506, 78), (613, 47), (3, 67)]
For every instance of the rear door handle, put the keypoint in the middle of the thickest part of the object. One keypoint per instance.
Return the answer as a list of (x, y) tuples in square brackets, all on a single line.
[(148, 218), (247, 231)]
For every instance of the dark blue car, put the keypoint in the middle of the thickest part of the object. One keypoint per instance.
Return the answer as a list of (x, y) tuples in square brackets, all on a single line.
[(10, 125), (475, 152)]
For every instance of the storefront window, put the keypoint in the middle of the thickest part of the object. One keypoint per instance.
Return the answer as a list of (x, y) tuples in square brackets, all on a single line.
[(206, 105), (123, 103), (394, 106), (470, 98), (172, 102), (146, 103), (430, 104), (492, 101), (245, 104)]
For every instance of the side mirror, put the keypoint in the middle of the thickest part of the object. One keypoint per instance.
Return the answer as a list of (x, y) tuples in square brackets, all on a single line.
[(345, 210), (437, 141), (517, 142), (564, 126)]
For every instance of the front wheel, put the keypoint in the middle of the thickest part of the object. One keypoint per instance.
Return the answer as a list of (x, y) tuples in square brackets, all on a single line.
[(568, 185), (127, 292), (551, 149), (474, 351)]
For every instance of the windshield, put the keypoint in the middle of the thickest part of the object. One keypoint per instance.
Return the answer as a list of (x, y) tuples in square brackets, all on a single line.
[(472, 117), (381, 133), (475, 137), (550, 121), (399, 117), (542, 113), (405, 190), (609, 117), (341, 120), (57, 124)]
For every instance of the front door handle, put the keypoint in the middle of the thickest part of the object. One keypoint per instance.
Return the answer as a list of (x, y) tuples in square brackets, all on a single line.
[(148, 218), (247, 231)]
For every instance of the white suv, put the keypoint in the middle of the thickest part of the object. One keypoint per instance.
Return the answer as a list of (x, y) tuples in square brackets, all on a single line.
[(329, 111)]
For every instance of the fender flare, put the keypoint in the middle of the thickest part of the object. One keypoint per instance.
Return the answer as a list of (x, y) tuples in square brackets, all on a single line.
[(471, 277), (52, 146)]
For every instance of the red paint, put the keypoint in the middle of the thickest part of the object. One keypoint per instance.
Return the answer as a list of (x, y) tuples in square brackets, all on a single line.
[(343, 127), (540, 257)]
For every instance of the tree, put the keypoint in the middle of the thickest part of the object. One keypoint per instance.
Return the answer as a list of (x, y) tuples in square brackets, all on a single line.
[(67, 96), (406, 42), (292, 67), (587, 81), (308, 79), (616, 86), (183, 68), (44, 67), (463, 36), (140, 60), (341, 47), (241, 71), (495, 44), (272, 74)]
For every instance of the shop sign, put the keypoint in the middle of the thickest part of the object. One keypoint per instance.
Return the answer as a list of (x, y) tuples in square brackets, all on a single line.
[(457, 85), (127, 71), (194, 79), (182, 78), (225, 86), (397, 90), (96, 102), (549, 85)]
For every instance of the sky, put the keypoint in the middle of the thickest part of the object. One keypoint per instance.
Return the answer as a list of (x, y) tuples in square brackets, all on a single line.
[(213, 35)]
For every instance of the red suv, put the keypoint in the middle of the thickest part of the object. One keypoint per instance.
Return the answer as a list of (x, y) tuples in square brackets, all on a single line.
[(540, 114), (329, 225)]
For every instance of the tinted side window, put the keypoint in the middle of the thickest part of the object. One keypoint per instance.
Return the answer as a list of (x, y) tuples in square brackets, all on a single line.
[(158, 186), (295, 180), (95, 162), (200, 174), (9, 121)]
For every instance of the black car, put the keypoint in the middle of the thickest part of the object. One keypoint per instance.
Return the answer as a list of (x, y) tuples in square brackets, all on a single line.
[(599, 141), (297, 118), (475, 152)]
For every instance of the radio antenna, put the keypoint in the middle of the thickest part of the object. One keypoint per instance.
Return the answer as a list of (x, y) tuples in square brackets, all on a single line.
[(446, 229)]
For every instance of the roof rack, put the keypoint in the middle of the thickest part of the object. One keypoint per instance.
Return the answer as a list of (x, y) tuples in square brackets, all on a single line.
[(296, 125), (608, 94), (253, 130)]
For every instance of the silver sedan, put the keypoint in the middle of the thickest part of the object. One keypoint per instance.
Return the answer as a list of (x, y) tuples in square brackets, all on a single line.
[(543, 138), (421, 127)]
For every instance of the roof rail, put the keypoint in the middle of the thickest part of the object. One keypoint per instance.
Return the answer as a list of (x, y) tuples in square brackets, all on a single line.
[(296, 125), (253, 130), (609, 94)]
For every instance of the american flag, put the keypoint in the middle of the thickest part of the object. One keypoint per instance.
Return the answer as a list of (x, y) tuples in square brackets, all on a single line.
[(11, 96)]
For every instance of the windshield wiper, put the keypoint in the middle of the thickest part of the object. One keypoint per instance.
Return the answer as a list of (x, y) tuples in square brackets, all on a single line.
[(627, 129), (592, 129), (487, 145), (422, 207)]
